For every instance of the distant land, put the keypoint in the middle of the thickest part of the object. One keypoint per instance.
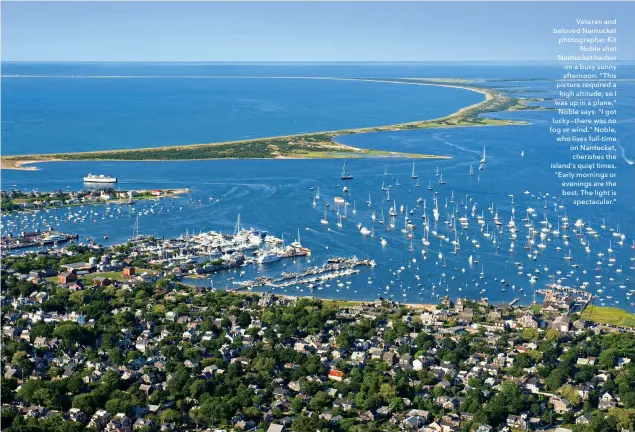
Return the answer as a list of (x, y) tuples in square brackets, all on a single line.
[(309, 145)]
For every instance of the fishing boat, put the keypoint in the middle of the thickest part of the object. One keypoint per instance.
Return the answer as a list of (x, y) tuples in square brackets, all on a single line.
[(345, 174)]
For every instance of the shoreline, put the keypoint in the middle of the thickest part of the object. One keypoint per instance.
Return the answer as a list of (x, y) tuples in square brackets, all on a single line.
[(143, 195), (314, 145), (337, 302)]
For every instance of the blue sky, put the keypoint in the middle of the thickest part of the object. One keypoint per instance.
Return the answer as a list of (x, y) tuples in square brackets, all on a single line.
[(303, 31)]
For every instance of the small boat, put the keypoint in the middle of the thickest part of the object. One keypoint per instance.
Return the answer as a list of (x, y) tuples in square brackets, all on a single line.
[(441, 181), (484, 159)]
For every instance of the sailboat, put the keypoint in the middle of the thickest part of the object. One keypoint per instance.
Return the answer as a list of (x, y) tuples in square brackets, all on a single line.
[(354, 208), (437, 173), (417, 184), (441, 181), (381, 221), (345, 174), (429, 185), (297, 242), (471, 170), (386, 171), (369, 202), (522, 153), (413, 175), (324, 221), (317, 194), (484, 159)]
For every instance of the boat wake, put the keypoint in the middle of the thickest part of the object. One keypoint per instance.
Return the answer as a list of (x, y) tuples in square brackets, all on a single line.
[(627, 160)]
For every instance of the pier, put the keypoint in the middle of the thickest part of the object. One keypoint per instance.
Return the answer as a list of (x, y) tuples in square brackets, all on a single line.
[(35, 238), (334, 268), (556, 293)]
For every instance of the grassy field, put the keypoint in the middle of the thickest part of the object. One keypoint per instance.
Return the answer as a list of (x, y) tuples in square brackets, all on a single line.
[(311, 145), (608, 315)]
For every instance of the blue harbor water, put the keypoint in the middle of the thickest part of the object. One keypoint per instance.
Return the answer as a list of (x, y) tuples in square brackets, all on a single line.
[(277, 196)]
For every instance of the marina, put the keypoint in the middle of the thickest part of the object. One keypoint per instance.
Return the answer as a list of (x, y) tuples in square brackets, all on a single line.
[(30, 239), (333, 269)]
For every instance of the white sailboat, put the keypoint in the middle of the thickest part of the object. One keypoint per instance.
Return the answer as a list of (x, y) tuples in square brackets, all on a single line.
[(484, 159), (345, 174), (471, 170), (324, 220), (413, 175)]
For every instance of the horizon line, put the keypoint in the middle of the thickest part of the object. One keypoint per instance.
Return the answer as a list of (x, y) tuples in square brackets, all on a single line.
[(555, 62)]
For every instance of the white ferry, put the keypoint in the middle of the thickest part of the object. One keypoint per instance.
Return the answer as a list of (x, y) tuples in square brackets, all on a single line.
[(92, 178)]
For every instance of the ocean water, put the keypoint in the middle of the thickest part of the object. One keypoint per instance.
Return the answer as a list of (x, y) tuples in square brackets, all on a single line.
[(276, 196), (47, 115)]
